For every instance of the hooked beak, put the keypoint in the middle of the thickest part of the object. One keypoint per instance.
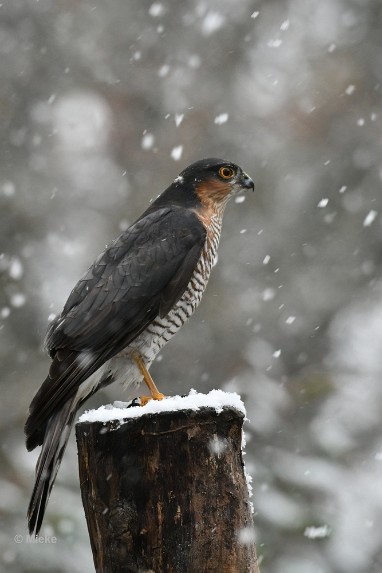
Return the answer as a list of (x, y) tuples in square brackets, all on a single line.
[(246, 181)]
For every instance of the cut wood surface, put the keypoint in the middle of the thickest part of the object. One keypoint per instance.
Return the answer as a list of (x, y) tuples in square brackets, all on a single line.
[(167, 493)]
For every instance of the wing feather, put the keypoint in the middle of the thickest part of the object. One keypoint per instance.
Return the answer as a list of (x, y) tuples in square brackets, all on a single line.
[(142, 274)]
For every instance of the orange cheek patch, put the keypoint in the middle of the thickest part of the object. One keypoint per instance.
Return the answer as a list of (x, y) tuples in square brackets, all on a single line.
[(212, 196), (212, 191)]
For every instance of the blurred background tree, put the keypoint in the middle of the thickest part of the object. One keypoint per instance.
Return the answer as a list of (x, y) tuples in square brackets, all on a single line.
[(101, 105)]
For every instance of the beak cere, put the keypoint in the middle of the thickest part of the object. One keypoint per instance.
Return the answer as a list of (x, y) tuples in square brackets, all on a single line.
[(247, 182)]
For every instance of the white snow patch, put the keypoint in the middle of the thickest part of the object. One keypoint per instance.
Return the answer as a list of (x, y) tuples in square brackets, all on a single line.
[(370, 218), (320, 532), (222, 118), (240, 199), (323, 203), (176, 153), (212, 22), (147, 141), (216, 399), (179, 179)]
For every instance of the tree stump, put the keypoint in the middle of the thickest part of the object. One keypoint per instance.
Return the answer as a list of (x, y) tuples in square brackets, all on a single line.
[(167, 493)]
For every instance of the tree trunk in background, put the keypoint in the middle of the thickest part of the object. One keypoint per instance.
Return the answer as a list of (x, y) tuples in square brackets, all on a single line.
[(167, 493)]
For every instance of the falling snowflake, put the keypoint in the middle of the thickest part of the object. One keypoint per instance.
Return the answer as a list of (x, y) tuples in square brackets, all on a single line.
[(18, 299), (268, 294), (370, 218), (350, 89), (222, 118), (164, 71), (176, 153), (212, 22), (276, 43), (16, 269), (156, 10), (178, 119), (8, 189), (147, 141), (5, 312), (246, 535), (285, 25), (320, 532)]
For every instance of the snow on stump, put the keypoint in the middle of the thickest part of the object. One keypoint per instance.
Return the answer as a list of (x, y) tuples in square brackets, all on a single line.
[(164, 486)]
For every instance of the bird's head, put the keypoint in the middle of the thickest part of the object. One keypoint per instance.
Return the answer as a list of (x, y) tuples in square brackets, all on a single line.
[(208, 183), (214, 180)]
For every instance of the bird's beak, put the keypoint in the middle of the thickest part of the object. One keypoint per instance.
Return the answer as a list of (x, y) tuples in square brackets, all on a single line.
[(247, 182)]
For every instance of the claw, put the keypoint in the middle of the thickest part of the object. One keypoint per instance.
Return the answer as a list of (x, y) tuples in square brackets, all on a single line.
[(144, 399)]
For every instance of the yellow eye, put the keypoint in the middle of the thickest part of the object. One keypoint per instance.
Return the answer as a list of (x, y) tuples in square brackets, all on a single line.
[(226, 172)]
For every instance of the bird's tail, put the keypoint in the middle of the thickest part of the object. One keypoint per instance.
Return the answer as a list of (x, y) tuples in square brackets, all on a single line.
[(56, 437)]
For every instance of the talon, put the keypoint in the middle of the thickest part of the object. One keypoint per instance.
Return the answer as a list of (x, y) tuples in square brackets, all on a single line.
[(144, 399)]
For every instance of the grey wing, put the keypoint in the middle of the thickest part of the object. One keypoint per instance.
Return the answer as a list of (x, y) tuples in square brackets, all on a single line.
[(143, 273)]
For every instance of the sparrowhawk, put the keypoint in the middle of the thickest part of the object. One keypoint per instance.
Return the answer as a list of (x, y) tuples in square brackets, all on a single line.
[(132, 300)]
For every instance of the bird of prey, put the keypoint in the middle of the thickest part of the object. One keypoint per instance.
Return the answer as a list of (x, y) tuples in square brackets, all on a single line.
[(132, 300)]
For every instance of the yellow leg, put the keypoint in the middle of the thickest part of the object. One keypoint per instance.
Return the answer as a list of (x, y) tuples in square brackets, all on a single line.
[(155, 394)]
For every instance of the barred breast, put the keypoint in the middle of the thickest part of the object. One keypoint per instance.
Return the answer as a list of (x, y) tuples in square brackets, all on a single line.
[(121, 368), (161, 330)]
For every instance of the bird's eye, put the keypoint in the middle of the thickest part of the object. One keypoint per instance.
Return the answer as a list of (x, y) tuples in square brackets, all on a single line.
[(226, 172)]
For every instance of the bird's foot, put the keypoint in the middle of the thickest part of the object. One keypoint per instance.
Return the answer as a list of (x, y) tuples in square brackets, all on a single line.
[(157, 396)]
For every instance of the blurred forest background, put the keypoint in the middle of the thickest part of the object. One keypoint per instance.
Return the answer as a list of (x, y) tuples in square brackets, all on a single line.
[(102, 103)]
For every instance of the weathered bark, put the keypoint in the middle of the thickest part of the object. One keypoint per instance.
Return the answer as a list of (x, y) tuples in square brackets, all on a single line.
[(166, 493)]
